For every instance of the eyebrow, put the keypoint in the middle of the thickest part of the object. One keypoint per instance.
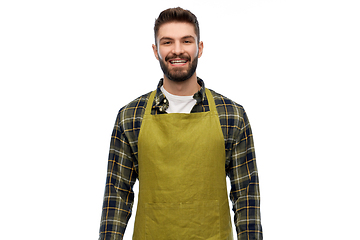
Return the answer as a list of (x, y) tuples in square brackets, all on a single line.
[(169, 38)]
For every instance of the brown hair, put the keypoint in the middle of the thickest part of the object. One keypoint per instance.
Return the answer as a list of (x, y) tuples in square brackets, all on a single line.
[(176, 15)]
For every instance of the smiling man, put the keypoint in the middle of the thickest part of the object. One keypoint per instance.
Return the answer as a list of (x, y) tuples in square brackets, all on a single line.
[(181, 141)]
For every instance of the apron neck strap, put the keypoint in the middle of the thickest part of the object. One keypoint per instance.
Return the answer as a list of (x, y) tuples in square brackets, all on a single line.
[(150, 103), (211, 100), (209, 96)]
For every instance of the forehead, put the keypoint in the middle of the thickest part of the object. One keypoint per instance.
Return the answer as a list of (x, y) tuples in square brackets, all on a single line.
[(176, 30)]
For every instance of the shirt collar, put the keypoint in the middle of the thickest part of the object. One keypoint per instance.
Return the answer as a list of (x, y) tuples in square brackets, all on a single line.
[(162, 103)]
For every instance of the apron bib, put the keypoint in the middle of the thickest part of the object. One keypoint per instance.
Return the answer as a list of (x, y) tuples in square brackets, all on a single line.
[(182, 179)]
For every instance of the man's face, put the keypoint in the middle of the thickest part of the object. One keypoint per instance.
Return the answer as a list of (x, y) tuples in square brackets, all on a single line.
[(177, 50)]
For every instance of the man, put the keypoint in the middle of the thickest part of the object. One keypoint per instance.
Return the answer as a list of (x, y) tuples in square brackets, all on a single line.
[(181, 141)]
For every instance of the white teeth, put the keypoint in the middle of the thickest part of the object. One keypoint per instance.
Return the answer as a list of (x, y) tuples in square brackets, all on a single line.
[(178, 61)]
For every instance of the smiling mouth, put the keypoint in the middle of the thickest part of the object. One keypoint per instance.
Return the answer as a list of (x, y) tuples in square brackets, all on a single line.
[(178, 62)]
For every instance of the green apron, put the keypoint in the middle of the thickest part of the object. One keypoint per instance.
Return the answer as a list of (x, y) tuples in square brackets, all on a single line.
[(182, 179)]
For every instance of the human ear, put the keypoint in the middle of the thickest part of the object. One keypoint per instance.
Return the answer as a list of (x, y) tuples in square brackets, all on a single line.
[(155, 51), (201, 47)]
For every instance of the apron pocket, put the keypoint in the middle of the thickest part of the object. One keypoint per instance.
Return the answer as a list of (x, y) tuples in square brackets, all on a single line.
[(182, 221)]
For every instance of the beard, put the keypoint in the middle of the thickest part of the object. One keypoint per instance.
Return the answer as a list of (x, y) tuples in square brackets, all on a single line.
[(179, 75)]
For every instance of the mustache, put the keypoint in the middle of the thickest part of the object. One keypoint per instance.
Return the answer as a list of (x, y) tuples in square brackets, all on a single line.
[(172, 56)]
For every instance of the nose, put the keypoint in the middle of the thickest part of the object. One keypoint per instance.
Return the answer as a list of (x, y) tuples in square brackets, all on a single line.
[(178, 49)]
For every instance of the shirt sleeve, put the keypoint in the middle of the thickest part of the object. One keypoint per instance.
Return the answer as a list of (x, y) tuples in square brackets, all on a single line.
[(244, 194), (119, 195)]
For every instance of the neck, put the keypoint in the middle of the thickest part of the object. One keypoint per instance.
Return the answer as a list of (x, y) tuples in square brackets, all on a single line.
[(185, 88)]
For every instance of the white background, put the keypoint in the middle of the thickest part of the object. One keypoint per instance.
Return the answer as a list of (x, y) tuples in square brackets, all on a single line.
[(66, 68)]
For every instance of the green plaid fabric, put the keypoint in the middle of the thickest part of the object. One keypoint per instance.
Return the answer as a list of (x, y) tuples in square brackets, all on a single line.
[(240, 164)]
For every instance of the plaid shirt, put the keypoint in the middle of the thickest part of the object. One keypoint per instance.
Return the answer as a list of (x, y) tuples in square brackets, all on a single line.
[(240, 164)]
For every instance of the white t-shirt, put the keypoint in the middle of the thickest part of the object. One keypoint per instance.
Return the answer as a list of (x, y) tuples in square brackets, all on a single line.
[(178, 104)]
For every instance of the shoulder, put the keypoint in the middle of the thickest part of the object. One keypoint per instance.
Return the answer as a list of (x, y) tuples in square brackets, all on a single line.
[(139, 102), (226, 106), (133, 110), (233, 119)]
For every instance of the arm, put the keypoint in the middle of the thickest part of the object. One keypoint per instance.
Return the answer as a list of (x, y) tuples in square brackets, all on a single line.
[(119, 195), (244, 192)]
